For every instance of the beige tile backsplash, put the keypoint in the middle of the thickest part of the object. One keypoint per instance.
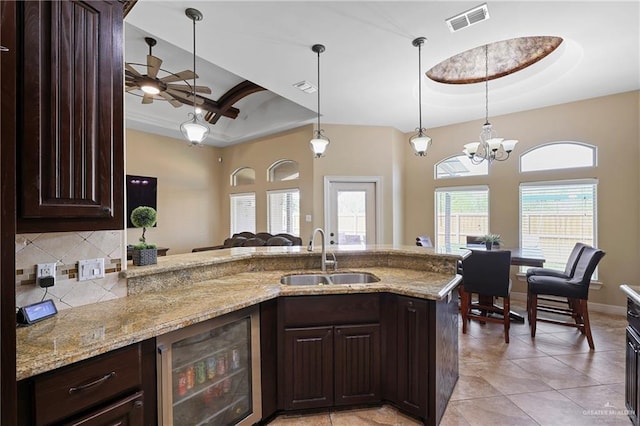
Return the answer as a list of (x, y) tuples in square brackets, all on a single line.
[(67, 248)]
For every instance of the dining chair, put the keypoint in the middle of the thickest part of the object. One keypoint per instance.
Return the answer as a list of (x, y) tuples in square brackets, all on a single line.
[(486, 273), (575, 289), (568, 272)]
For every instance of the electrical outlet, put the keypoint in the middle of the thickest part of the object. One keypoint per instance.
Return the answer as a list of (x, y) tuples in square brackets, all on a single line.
[(46, 270), (90, 269), (46, 274)]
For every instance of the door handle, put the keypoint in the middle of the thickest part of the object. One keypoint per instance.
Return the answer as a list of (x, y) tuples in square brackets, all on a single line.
[(332, 242)]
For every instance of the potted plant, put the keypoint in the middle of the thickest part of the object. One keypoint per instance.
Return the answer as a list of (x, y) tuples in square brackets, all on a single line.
[(144, 253), (490, 240)]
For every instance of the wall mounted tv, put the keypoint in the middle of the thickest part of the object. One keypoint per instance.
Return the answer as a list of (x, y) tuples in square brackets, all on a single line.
[(141, 191)]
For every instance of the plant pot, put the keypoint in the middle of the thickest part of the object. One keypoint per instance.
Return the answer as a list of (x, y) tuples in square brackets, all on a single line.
[(145, 257), (488, 245)]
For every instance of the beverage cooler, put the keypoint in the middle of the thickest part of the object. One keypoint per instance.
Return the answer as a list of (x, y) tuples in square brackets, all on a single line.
[(209, 373)]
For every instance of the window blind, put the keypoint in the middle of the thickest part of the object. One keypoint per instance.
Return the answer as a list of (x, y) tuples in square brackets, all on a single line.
[(461, 212), (556, 215), (243, 213), (284, 211)]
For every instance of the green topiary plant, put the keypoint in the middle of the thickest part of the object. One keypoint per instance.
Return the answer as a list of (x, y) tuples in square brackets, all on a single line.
[(490, 240), (144, 217)]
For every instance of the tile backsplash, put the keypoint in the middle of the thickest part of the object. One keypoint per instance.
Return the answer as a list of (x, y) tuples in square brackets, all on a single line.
[(66, 249)]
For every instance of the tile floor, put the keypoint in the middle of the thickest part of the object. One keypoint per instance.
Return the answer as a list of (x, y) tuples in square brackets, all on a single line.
[(552, 380)]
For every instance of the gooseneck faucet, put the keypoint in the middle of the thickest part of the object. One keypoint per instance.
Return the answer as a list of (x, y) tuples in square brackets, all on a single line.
[(324, 259)]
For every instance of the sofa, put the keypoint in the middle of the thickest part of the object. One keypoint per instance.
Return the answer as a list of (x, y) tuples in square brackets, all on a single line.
[(249, 239)]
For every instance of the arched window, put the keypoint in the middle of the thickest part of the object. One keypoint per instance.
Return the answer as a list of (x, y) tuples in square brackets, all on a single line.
[(558, 155), (458, 166), (283, 170), (243, 176)]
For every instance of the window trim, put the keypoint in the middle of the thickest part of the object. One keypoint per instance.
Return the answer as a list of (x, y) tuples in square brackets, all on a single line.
[(233, 175), (278, 163)]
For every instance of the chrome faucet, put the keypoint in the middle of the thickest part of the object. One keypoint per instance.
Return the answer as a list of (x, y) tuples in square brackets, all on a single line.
[(324, 261)]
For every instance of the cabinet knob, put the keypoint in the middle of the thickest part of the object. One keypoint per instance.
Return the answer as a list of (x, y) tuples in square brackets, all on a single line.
[(106, 210), (4, 49), (138, 404)]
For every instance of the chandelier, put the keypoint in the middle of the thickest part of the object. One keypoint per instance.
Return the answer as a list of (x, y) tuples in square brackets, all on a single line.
[(490, 147)]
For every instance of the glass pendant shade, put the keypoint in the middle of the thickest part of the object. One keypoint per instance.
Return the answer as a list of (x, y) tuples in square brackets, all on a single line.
[(319, 144), (195, 130), (420, 143)]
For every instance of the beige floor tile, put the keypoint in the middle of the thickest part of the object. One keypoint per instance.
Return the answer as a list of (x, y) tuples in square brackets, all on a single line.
[(555, 373), (605, 367), (552, 409), (598, 398), (307, 420), (470, 386), (492, 411), (551, 344), (453, 417), (508, 378), (384, 415)]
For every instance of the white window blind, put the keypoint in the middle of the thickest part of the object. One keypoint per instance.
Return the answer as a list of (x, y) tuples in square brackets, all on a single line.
[(243, 213), (461, 212), (284, 211), (556, 215)]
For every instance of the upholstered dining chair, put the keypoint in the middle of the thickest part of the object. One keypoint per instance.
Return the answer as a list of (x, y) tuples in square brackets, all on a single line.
[(569, 268), (486, 273), (575, 289), (424, 241)]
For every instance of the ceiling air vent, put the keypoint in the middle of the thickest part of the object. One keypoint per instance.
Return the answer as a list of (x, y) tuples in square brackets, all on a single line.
[(306, 87), (468, 18)]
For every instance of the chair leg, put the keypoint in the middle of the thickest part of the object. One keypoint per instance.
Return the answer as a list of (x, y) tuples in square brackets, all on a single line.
[(533, 312), (464, 309), (587, 326), (506, 308)]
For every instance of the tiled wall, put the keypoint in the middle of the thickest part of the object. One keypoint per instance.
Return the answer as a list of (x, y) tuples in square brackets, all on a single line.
[(67, 248)]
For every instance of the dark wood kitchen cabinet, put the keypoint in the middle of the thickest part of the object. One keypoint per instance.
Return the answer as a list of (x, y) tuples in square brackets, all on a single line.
[(70, 154), (330, 351), (118, 387)]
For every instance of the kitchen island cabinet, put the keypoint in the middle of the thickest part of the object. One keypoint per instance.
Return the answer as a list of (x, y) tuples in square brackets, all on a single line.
[(183, 290), (632, 352)]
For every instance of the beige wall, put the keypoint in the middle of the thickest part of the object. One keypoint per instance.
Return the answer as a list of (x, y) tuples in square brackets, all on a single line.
[(610, 123), (189, 185), (260, 155)]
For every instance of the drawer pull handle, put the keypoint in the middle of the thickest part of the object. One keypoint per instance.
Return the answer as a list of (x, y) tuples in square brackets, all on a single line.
[(92, 384), (633, 314)]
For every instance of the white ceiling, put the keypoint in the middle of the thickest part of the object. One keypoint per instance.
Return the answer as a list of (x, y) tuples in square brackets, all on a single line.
[(369, 69)]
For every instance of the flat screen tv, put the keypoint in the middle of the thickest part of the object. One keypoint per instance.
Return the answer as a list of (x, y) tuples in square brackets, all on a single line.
[(141, 191)]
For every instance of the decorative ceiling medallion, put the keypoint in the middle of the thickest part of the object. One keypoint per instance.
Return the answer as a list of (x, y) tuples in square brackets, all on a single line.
[(505, 57)]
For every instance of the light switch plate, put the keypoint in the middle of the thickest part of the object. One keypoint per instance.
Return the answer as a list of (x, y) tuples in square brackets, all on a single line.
[(90, 269)]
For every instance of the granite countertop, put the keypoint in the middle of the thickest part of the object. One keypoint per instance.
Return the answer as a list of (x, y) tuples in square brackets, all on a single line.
[(86, 331)]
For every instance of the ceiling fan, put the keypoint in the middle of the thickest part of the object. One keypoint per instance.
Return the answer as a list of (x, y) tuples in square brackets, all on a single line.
[(146, 82)]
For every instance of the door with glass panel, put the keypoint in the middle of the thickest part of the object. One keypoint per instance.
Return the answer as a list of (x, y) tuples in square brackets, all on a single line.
[(351, 218)]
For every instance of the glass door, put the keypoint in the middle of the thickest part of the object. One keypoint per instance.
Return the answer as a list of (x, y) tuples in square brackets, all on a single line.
[(209, 373), (352, 213)]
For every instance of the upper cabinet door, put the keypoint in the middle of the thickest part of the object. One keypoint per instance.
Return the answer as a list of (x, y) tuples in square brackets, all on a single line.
[(70, 112)]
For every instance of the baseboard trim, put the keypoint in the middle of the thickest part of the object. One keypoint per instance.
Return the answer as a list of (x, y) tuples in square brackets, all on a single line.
[(593, 307)]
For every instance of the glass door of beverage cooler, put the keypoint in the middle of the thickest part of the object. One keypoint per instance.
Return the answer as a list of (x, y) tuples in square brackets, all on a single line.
[(209, 373)]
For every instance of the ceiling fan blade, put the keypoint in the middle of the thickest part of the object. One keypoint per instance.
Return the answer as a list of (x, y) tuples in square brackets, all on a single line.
[(153, 66), (186, 96), (147, 99), (132, 70), (173, 101), (182, 75), (129, 88), (187, 88)]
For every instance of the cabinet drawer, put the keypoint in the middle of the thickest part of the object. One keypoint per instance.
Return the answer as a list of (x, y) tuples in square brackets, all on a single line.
[(73, 389), (300, 311)]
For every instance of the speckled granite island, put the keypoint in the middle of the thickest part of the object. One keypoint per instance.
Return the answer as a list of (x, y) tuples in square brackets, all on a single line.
[(182, 290)]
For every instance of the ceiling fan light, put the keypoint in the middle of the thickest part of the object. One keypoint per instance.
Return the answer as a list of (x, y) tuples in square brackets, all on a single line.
[(319, 145), (150, 89), (194, 129), (420, 143)]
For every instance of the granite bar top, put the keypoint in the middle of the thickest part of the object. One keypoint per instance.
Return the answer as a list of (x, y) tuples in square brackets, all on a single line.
[(632, 291), (80, 333)]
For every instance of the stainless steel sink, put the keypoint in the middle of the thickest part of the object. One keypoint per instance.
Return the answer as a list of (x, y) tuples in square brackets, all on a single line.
[(304, 279), (335, 278)]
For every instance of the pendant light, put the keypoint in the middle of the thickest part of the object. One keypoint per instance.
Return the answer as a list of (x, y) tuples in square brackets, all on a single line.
[(490, 147), (319, 142), (420, 142), (195, 129)]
